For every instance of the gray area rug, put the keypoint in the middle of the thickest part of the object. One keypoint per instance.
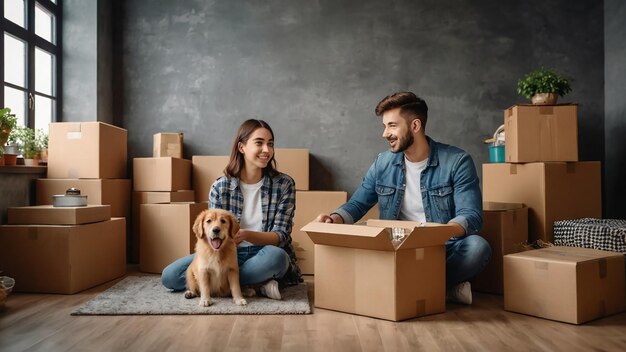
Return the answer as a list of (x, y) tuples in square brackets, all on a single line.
[(145, 295)]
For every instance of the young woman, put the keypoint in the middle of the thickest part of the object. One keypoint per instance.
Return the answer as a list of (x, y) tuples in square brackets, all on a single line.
[(263, 200)]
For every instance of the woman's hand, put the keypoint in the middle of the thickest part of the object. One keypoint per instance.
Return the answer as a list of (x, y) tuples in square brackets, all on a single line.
[(241, 235)]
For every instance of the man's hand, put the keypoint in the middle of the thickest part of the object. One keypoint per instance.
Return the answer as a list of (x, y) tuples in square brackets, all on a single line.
[(333, 218)]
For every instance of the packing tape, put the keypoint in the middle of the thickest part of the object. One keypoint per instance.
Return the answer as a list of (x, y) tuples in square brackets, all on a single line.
[(513, 169), (74, 135), (541, 265)]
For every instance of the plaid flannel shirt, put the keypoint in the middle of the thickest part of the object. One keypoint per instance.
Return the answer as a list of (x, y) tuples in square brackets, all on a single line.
[(278, 203)]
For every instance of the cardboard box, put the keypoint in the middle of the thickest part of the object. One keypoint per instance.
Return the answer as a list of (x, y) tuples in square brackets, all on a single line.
[(358, 270), (165, 233), (63, 259), (87, 150), (167, 144), (505, 227), (206, 169), (49, 215), (113, 192), (552, 191), (150, 198), (309, 204), (295, 163), (568, 284), (161, 174), (541, 133)]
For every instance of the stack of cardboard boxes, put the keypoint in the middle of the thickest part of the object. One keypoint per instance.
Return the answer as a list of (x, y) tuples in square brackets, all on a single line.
[(163, 205), (90, 156), (65, 250), (542, 172)]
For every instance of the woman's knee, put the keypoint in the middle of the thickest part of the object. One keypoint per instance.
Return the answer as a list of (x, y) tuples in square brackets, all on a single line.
[(173, 276), (277, 260)]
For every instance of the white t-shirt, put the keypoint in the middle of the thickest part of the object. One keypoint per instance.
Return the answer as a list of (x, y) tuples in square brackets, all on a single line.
[(412, 207), (252, 213)]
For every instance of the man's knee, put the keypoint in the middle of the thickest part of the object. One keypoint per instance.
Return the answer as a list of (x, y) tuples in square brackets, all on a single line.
[(478, 247)]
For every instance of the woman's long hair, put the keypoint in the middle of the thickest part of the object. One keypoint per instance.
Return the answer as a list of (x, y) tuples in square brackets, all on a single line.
[(235, 165)]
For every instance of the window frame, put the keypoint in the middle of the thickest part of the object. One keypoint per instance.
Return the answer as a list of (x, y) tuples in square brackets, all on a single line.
[(28, 36)]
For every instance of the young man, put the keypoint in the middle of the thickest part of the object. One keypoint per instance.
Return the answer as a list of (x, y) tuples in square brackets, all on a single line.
[(423, 180)]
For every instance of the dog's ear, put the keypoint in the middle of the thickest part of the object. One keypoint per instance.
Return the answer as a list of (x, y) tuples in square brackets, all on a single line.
[(198, 225), (234, 225)]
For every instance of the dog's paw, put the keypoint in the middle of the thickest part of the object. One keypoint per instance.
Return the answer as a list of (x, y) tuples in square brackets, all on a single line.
[(240, 301), (189, 294), (205, 302), (248, 292)]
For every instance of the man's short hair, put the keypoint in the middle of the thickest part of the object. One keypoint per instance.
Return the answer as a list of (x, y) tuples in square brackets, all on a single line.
[(411, 106)]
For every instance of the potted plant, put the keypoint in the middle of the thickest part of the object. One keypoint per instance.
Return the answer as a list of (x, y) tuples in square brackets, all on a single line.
[(32, 146), (543, 86), (12, 148), (8, 122)]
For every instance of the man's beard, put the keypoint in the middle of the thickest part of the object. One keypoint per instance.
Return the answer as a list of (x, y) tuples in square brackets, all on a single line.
[(407, 141)]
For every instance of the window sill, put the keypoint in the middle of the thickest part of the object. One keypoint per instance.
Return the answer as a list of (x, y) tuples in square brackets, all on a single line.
[(21, 169)]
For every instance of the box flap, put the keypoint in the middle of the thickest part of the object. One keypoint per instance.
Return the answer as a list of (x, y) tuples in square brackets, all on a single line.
[(376, 235), (351, 236)]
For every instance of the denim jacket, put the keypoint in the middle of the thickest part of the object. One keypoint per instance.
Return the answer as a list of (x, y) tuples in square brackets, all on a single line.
[(449, 187)]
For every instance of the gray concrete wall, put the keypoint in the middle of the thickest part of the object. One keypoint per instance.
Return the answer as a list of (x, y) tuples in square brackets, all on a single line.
[(87, 61), (615, 109), (316, 69)]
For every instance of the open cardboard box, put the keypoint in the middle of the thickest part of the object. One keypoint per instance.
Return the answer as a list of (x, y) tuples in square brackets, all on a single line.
[(359, 270)]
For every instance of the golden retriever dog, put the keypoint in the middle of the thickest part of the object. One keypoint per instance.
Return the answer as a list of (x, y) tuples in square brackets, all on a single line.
[(214, 270)]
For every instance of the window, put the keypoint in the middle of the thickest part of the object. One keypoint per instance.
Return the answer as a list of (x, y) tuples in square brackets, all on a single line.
[(30, 56)]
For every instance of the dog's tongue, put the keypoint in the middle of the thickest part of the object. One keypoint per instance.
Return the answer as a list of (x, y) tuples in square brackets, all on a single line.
[(216, 243)]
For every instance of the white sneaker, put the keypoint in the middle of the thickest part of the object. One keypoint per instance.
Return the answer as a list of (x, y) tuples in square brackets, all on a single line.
[(270, 290), (461, 293)]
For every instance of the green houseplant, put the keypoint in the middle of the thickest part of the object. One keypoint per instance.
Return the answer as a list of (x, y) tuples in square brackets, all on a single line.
[(543, 86), (8, 122), (31, 143)]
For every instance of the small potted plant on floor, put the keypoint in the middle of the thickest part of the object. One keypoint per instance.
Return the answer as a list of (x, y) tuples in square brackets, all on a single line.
[(543, 86)]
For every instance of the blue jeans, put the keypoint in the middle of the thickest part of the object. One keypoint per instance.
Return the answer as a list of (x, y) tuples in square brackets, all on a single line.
[(257, 264), (466, 257)]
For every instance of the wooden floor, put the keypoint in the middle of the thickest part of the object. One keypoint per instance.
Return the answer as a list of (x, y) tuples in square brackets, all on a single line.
[(41, 322)]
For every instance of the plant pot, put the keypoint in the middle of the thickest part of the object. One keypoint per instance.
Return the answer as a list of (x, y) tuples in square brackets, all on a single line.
[(544, 99), (12, 149), (10, 159), (31, 162)]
